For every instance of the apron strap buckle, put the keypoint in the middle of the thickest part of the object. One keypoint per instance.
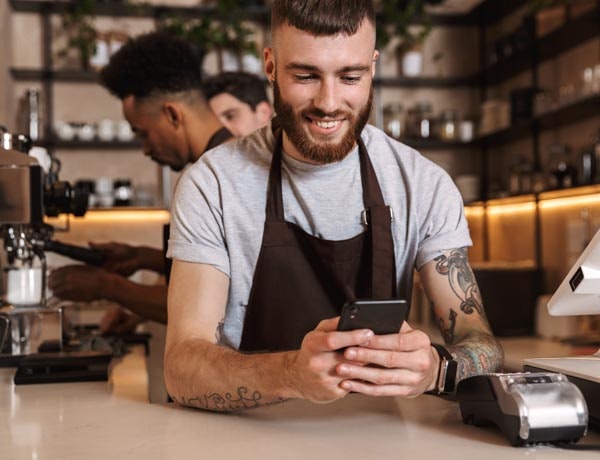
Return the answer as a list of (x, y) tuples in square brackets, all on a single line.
[(364, 216)]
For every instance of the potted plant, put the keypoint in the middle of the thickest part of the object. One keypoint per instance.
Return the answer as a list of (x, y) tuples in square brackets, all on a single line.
[(223, 32), (78, 26), (399, 21)]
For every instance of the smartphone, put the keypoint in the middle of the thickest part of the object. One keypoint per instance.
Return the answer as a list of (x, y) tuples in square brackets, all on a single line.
[(381, 316)]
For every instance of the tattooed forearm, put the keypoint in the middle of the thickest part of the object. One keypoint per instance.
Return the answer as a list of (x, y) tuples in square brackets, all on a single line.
[(477, 354), (462, 280), (228, 402)]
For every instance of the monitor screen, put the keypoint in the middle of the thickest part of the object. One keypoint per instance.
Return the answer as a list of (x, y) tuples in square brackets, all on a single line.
[(579, 292)]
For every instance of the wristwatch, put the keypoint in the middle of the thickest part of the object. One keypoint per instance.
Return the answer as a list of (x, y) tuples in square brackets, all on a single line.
[(446, 381)]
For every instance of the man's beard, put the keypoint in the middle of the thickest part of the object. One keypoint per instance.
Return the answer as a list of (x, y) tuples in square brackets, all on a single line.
[(316, 151)]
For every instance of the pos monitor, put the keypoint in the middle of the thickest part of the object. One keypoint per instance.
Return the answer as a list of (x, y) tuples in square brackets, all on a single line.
[(578, 294)]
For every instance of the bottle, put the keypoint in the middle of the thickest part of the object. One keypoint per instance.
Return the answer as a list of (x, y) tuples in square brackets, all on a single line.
[(30, 114), (563, 174), (420, 120), (596, 154), (514, 176), (448, 125), (393, 120), (587, 162)]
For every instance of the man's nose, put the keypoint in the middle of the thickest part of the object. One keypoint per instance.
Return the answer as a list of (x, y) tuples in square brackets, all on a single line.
[(326, 99)]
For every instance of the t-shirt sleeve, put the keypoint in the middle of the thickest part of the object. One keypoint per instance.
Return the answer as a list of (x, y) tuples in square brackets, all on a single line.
[(442, 220), (197, 231)]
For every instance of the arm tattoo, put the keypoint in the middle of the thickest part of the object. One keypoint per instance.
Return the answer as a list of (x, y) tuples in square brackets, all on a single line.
[(462, 280), (219, 331), (448, 333), (228, 402), (477, 354)]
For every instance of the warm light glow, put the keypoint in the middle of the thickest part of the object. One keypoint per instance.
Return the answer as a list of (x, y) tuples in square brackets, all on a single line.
[(511, 208), (155, 215), (570, 201), (474, 211)]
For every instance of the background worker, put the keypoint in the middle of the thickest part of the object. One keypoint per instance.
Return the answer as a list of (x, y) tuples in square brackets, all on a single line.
[(240, 101), (157, 78)]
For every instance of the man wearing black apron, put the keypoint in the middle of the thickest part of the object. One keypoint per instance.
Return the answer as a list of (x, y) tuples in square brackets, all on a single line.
[(272, 234)]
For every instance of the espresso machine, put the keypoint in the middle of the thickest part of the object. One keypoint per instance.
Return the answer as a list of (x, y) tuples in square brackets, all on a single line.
[(27, 194)]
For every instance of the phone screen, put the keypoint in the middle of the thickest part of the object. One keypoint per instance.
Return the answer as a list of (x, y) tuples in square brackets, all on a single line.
[(381, 316)]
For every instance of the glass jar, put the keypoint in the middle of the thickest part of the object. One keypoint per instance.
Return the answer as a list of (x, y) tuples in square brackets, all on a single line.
[(448, 125), (420, 121), (393, 120)]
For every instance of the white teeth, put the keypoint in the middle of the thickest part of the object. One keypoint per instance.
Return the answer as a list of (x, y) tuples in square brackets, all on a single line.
[(327, 124)]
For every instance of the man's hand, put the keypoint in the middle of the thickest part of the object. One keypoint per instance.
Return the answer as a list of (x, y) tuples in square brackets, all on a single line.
[(82, 283), (313, 370), (117, 320), (403, 364), (120, 258)]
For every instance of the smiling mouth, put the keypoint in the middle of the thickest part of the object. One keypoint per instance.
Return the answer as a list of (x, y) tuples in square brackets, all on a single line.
[(325, 124)]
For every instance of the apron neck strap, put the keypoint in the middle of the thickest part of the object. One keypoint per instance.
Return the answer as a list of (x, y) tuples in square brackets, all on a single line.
[(275, 194), (371, 191)]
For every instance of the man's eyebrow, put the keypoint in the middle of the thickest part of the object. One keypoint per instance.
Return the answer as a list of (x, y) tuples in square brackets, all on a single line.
[(300, 66), (355, 68), (313, 68)]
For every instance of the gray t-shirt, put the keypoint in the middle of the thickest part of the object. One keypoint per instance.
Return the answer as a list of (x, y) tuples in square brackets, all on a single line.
[(219, 209)]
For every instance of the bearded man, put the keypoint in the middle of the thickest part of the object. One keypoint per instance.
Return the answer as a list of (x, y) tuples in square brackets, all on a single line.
[(273, 233)]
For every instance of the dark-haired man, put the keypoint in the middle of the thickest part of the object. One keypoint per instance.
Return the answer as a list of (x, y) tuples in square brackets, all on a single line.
[(272, 233), (158, 79), (240, 101)]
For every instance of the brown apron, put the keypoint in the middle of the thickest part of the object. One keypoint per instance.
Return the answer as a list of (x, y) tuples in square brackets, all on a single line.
[(300, 280)]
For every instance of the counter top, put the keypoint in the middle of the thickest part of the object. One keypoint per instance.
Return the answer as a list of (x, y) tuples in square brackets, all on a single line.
[(113, 420)]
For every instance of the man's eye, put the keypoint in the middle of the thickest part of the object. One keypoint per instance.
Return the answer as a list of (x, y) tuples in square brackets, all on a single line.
[(304, 78), (351, 79)]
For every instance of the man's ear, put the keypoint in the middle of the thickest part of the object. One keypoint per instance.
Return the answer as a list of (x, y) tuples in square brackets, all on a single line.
[(374, 62), (264, 111), (269, 58), (173, 113)]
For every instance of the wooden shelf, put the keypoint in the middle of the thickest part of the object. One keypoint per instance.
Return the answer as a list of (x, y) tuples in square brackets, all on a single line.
[(436, 144), (492, 11), (570, 192), (90, 145), (66, 75), (572, 34), (83, 76), (256, 12), (426, 82), (578, 110), (548, 195)]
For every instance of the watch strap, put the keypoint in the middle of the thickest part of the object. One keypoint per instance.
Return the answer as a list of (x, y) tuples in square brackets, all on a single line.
[(447, 371)]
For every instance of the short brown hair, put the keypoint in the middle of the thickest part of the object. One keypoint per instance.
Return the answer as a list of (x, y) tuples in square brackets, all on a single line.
[(322, 18)]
